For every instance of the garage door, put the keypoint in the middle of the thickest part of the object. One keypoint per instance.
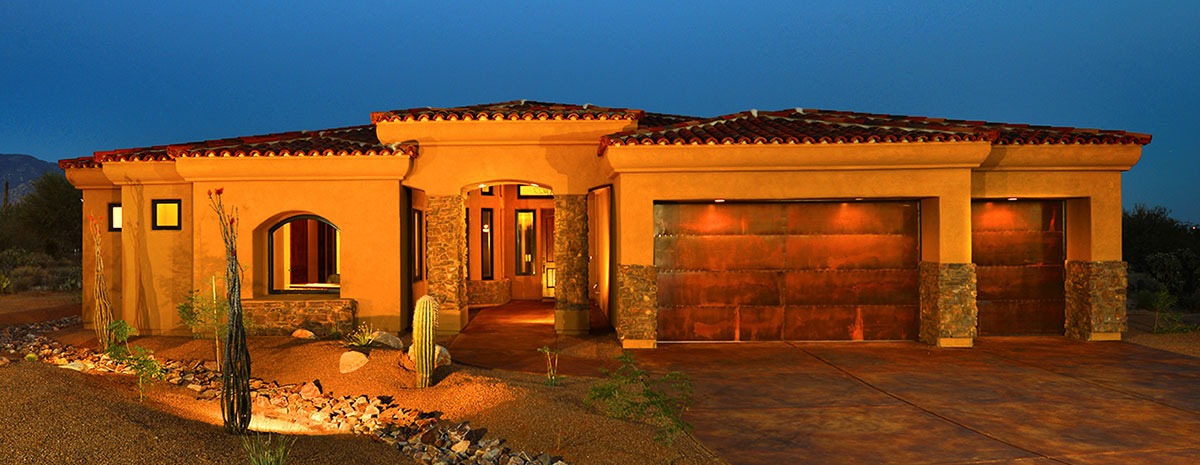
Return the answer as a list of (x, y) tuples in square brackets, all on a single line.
[(1018, 249), (787, 271)]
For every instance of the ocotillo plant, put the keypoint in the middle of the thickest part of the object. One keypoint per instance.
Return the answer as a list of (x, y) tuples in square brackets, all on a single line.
[(424, 351), (102, 317), (235, 375)]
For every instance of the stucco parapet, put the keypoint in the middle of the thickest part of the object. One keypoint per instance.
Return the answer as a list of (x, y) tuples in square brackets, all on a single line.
[(637, 302), (1095, 299), (948, 302)]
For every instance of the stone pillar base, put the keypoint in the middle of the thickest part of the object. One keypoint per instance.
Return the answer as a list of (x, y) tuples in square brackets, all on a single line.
[(1095, 294), (571, 322), (639, 344), (950, 342), (949, 315), (451, 321)]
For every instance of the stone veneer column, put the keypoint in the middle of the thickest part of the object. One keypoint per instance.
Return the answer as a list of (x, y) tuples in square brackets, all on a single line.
[(571, 264), (1095, 294), (637, 306), (446, 259), (949, 315)]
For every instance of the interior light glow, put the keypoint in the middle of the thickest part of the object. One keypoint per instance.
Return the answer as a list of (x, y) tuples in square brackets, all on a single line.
[(1010, 199), (719, 200), (481, 185)]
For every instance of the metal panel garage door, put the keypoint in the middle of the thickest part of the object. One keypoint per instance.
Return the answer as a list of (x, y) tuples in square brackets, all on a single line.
[(1018, 248), (787, 271)]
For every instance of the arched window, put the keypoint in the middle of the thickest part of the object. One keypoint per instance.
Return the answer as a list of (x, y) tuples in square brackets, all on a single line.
[(304, 252)]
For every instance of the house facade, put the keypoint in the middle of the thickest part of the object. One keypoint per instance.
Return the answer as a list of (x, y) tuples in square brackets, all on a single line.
[(783, 225)]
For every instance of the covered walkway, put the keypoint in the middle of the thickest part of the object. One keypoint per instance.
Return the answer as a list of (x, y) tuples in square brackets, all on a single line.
[(507, 337)]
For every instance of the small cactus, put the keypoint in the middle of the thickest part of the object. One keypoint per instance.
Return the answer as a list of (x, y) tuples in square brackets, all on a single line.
[(424, 349)]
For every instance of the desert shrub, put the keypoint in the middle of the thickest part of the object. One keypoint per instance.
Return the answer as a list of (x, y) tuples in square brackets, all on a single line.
[(551, 365), (25, 278), (364, 336), (65, 278), (5, 284), (14, 258), (207, 314), (139, 359), (267, 449), (629, 393)]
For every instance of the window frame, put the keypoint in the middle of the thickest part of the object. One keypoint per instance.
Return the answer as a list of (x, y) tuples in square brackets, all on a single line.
[(418, 245), (113, 224), (487, 226), (271, 257), (154, 219), (517, 251)]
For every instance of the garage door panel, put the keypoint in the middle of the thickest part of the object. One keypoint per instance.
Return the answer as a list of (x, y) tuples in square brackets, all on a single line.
[(725, 219), (696, 323), (857, 287), (849, 251), (719, 288), (1020, 283), (1017, 317), (719, 253), (1017, 247), (760, 323), (850, 322), (852, 218)]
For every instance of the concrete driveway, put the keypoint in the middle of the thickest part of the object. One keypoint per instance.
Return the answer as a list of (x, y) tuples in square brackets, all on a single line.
[(1029, 400)]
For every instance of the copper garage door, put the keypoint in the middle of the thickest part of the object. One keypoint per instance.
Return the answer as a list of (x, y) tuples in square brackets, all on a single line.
[(786, 270), (1017, 247)]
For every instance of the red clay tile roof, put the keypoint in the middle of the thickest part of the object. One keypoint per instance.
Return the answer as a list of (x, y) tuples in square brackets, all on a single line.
[(348, 141), (77, 163), (792, 127), (656, 120), (514, 110), (803, 126)]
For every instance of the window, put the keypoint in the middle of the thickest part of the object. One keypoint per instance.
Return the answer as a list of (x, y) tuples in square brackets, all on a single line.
[(533, 190), (486, 270), (486, 190), (304, 256), (166, 214), (114, 217), (526, 242), (418, 235)]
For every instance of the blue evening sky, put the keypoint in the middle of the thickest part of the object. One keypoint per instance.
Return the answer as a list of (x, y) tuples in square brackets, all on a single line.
[(82, 76)]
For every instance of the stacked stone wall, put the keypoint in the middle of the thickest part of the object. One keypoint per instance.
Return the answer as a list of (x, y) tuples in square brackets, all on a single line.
[(570, 253), (637, 302), (281, 317), (948, 307), (497, 292), (446, 251), (1095, 298)]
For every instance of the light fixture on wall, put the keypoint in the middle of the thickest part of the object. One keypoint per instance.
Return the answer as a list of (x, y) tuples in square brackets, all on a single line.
[(1012, 199), (719, 200)]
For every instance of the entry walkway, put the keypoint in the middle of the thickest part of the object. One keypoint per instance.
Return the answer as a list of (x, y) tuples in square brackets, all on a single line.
[(508, 337)]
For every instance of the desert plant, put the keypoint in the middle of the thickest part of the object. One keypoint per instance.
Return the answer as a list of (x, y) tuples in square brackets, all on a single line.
[(364, 336), (5, 283), (267, 449), (424, 348), (25, 278), (139, 359), (30, 357), (629, 393), (206, 315), (551, 365), (235, 376), (102, 313)]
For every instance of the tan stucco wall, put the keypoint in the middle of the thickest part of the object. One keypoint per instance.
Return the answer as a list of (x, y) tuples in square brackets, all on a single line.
[(1093, 198), (455, 156)]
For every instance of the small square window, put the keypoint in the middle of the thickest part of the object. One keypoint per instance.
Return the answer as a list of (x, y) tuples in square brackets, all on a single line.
[(166, 214), (114, 217)]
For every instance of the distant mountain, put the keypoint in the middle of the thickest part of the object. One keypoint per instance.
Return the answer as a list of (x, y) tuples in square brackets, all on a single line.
[(20, 171)]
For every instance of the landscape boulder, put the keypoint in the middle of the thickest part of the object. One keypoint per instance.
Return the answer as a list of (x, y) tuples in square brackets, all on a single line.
[(351, 360), (387, 339)]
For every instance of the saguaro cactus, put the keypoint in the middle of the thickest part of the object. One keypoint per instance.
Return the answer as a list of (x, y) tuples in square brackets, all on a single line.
[(425, 325)]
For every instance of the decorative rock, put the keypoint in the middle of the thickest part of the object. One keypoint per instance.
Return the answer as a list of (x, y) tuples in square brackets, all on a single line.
[(351, 360), (443, 358), (460, 446), (75, 365), (4, 361), (388, 339), (311, 390), (303, 334)]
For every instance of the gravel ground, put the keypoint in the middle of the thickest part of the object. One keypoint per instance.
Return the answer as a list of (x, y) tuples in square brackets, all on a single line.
[(518, 407), (1139, 333), (52, 415)]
